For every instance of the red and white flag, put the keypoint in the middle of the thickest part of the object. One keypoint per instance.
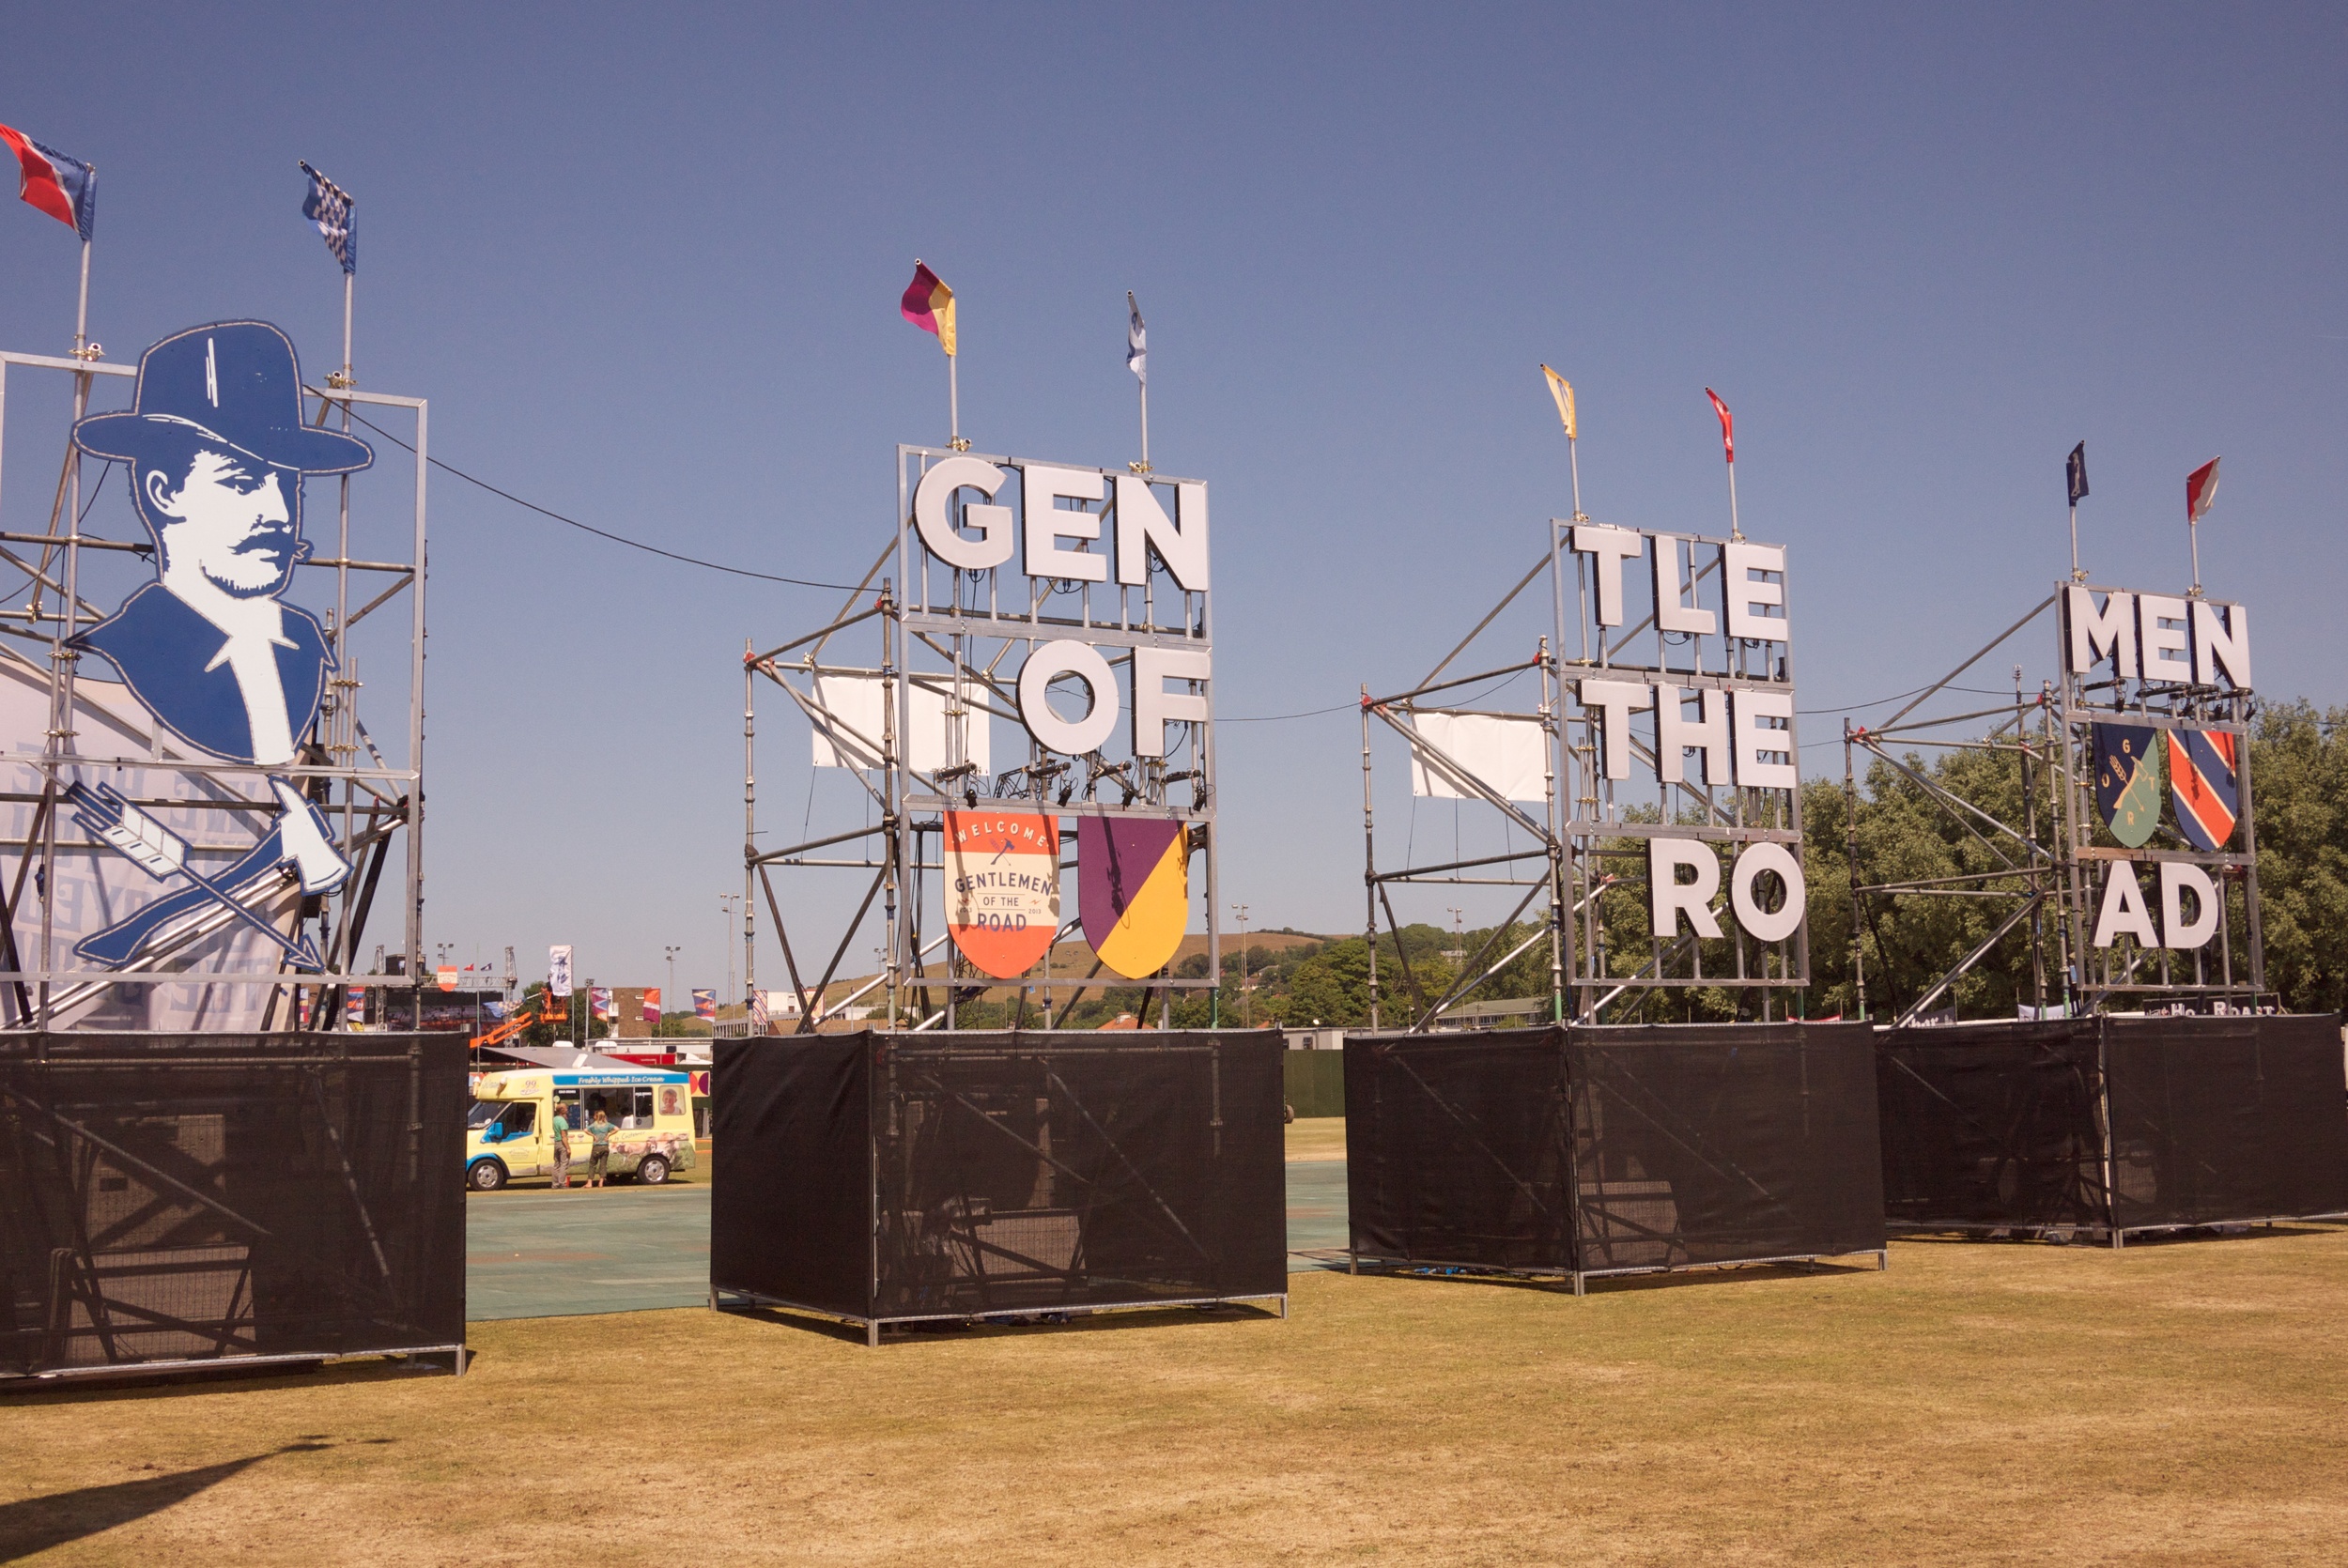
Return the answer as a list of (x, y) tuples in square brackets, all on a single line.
[(1728, 424), (2201, 488)]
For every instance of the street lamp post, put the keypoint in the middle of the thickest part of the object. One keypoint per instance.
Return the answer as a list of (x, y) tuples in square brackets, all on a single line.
[(732, 904), (671, 1000), (1246, 1017)]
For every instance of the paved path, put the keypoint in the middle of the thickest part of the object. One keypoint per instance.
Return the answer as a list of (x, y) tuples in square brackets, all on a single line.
[(1316, 1209), (532, 1252)]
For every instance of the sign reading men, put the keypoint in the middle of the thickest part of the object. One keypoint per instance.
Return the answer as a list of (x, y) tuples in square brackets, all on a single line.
[(217, 453)]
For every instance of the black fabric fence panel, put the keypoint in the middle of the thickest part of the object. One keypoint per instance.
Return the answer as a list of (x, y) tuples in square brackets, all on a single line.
[(895, 1176), (2226, 1118), (2212, 1120), (1456, 1148), (793, 1220), (1992, 1125), (173, 1198), (1686, 1144)]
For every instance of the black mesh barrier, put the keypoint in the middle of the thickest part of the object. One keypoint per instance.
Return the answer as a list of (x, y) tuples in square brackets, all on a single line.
[(192, 1198), (1992, 1126), (1689, 1145), (2220, 1119), (2212, 1120), (793, 1220), (894, 1176), (1455, 1148)]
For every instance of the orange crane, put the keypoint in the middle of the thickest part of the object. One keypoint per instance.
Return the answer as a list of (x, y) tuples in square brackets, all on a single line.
[(543, 1010)]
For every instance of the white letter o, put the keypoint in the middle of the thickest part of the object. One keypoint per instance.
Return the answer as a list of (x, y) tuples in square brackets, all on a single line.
[(1758, 923), (1066, 656)]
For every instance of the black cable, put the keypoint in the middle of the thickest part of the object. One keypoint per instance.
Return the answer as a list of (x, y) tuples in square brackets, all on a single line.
[(1276, 718), (602, 534), (1854, 707)]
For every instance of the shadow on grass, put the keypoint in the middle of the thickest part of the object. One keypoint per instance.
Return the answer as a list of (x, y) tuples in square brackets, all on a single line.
[(33, 1525), (2035, 1235), (1686, 1277), (957, 1329), (129, 1382)]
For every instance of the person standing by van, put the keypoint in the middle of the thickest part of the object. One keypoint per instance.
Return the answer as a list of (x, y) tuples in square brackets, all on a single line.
[(599, 1156), (561, 1135)]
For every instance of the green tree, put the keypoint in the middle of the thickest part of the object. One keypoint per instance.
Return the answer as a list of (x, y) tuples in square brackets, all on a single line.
[(2299, 783)]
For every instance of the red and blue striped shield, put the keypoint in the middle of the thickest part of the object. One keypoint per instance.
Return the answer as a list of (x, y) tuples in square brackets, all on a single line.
[(2127, 782), (2203, 782)]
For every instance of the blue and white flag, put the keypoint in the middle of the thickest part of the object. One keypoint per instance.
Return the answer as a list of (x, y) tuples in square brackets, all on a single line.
[(329, 205), (1136, 340)]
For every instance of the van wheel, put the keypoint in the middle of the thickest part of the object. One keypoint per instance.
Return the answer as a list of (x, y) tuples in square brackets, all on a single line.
[(486, 1176), (652, 1171)]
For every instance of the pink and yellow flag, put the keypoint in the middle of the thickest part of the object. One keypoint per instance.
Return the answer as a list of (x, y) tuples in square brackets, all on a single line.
[(928, 304)]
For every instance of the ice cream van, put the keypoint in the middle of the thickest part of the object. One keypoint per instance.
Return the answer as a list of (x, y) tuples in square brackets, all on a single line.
[(508, 1131)]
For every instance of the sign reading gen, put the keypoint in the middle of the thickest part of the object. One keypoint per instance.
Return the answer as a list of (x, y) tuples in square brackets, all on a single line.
[(962, 509)]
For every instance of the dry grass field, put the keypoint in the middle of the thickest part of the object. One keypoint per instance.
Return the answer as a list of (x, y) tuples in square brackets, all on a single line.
[(2175, 1403)]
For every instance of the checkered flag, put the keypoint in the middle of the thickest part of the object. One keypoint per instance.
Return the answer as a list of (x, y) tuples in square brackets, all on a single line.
[(328, 205)]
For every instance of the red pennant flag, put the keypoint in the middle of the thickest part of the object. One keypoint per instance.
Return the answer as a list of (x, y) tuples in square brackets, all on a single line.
[(1729, 425), (2201, 488)]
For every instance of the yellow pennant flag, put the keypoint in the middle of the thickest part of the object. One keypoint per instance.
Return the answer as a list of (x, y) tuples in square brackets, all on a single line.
[(1562, 390)]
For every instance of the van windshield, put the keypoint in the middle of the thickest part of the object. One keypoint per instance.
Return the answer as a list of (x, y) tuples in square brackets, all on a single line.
[(483, 1112)]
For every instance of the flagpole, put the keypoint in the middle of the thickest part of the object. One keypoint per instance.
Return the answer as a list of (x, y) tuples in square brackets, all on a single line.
[(2076, 575), (1145, 423), (1573, 456), (1734, 532), (346, 723), (61, 656), (80, 314), (2193, 532)]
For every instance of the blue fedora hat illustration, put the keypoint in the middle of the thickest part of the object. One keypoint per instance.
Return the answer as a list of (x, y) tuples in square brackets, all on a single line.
[(236, 382)]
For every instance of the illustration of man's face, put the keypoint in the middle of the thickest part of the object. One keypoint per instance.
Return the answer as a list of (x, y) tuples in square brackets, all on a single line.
[(235, 519)]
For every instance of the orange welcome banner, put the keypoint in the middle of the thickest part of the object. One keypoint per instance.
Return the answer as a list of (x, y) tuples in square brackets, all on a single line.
[(1002, 887)]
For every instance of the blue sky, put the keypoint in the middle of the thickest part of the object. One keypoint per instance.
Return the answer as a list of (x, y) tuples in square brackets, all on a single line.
[(644, 262)]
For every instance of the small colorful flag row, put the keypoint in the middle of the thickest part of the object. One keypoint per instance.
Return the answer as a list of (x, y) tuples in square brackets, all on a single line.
[(67, 189)]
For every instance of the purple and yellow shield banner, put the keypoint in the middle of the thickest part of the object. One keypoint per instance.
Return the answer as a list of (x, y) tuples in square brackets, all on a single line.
[(1133, 878), (1002, 888), (2204, 784), (2127, 782)]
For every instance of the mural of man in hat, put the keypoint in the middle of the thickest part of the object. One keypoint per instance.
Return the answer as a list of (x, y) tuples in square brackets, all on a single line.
[(217, 452)]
